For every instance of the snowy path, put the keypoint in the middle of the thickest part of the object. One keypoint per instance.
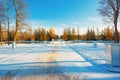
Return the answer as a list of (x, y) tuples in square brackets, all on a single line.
[(49, 62)]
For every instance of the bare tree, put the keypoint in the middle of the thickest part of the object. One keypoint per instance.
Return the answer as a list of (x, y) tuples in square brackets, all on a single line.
[(7, 13), (20, 14), (1, 19), (110, 10)]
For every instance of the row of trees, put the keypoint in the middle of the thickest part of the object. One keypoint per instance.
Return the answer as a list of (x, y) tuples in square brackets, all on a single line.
[(30, 34), (106, 34), (42, 34)]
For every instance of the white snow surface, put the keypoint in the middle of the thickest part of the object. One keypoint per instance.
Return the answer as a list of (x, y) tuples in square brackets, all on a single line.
[(54, 62)]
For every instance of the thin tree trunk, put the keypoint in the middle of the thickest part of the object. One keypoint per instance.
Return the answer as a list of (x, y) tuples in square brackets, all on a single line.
[(8, 32), (78, 34), (0, 34)]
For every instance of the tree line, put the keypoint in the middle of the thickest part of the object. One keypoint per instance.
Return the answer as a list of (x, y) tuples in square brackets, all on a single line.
[(41, 34), (91, 34)]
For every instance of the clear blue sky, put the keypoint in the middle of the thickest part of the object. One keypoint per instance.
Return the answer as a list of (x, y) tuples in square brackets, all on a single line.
[(58, 13)]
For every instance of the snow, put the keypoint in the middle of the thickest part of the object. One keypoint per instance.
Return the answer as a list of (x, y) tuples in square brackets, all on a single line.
[(95, 54), (55, 61)]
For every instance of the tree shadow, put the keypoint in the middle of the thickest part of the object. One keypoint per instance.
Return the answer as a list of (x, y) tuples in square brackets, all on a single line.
[(39, 69)]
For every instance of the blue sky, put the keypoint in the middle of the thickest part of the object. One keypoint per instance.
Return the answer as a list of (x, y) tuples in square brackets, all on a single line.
[(64, 13)]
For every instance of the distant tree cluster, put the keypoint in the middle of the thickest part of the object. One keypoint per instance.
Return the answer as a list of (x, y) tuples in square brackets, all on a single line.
[(90, 34), (69, 34), (30, 34), (41, 34), (106, 34)]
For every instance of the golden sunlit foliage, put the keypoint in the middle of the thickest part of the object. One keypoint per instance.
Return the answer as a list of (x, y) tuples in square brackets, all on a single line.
[(73, 34), (108, 33), (65, 34), (52, 33), (41, 34)]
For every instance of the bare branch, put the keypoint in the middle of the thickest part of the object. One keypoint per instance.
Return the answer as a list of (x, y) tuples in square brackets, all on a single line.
[(112, 5), (110, 10)]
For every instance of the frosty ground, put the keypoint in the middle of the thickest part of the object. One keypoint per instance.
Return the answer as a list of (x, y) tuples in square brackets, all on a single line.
[(55, 61)]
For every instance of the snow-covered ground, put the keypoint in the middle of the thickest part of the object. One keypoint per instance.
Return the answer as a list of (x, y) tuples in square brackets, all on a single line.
[(96, 54), (54, 62)]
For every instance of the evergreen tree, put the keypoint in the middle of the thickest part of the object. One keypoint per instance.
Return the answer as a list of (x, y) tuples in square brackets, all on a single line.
[(65, 34), (90, 34), (84, 37), (52, 33), (73, 35), (36, 34), (43, 35), (69, 34), (93, 34), (48, 36), (12, 34), (108, 33), (102, 35)]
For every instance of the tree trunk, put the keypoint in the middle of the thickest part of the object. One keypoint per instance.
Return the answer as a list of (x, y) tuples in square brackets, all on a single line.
[(8, 32), (0, 33), (78, 34), (17, 25), (116, 36)]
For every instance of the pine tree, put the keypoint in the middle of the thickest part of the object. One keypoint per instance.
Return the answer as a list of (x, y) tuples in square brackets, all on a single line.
[(93, 34), (108, 33), (88, 34), (73, 35), (36, 34), (48, 36), (12, 34), (84, 37), (65, 34), (43, 35), (52, 33), (102, 35)]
